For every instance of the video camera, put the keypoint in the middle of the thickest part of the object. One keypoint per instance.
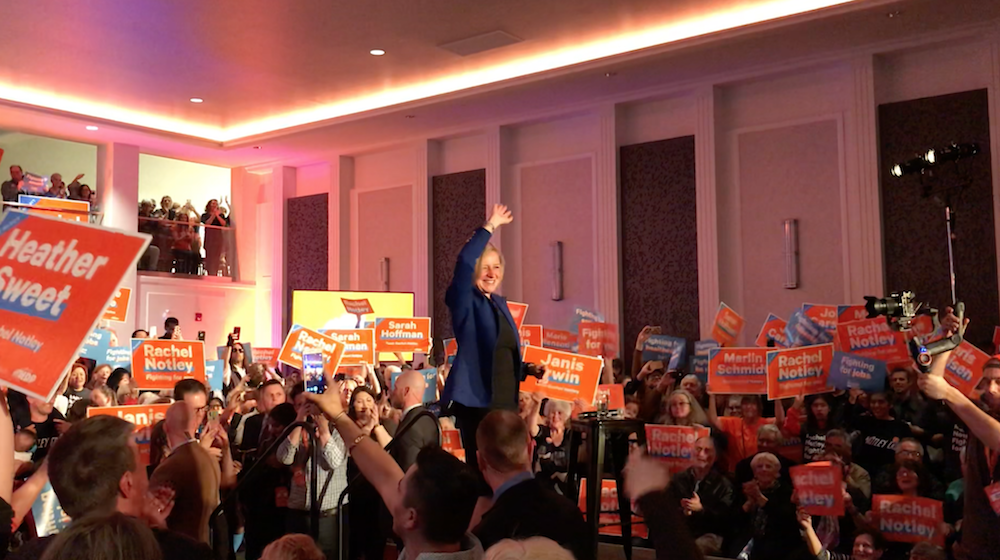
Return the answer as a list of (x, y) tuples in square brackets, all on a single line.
[(900, 310)]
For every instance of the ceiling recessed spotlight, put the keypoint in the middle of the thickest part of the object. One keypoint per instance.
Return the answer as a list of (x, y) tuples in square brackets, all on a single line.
[(91, 127), (610, 74), (197, 100), (376, 52)]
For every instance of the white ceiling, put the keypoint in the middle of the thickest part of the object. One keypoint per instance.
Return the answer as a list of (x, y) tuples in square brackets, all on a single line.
[(297, 79)]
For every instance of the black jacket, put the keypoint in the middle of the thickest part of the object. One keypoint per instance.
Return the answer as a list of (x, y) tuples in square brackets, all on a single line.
[(424, 432), (529, 509), (671, 537), (716, 493)]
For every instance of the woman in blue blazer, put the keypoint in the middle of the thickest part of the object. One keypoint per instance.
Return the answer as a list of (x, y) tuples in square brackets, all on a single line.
[(487, 370)]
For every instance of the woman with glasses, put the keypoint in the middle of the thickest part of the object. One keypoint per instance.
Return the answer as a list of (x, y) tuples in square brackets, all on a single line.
[(681, 409), (868, 544)]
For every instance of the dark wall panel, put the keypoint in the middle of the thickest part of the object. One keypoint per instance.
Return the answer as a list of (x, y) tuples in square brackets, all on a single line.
[(659, 238), (459, 207), (307, 246), (914, 231)]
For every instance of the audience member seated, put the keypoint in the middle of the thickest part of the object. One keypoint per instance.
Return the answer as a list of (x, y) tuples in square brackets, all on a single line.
[(868, 544), (838, 442), (682, 410), (742, 431), (523, 507), (768, 441), (766, 522), (878, 431), (908, 449), (706, 495), (551, 460)]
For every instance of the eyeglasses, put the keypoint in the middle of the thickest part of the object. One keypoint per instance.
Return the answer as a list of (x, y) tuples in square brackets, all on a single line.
[(240, 350), (680, 403), (909, 453)]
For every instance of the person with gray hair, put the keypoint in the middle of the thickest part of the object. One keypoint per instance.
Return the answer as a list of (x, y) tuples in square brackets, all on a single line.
[(767, 515), (551, 464), (769, 440), (908, 449)]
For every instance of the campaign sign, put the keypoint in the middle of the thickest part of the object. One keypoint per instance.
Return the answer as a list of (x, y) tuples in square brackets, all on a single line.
[(451, 441), (674, 445), (728, 325), (737, 371), (609, 520), (213, 374), (908, 519), (118, 308), (266, 356), (357, 306), (143, 417), (851, 313), (48, 513), (430, 378), (56, 279), (301, 340), (665, 349), (558, 340), (96, 345), (803, 331), (580, 314), (823, 315), (773, 329), (117, 357), (517, 311), (532, 335), (403, 334), (798, 371), (451, 350), (567, 376), (359, 343), (159, 364), (873, 338), (849, 371), (819, 488), (614, 395), (77, 209), (965, 367), (598, 339)]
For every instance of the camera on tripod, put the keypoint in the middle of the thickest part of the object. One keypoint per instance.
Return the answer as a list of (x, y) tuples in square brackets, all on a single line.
[(900, 310)]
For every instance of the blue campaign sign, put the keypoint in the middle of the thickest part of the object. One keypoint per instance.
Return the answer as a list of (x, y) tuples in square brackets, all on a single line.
[(581, 314), (96, 345), (49, 515), (660, 346), (213, 373), (430, 378), (118, 357), (803, 331), (850, 370)]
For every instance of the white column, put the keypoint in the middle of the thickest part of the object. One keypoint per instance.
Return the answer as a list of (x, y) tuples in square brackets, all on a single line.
[(245, 188), (705, 148), (118, 196), (607, 231), (426, 154), (339, 220), (863, 240)]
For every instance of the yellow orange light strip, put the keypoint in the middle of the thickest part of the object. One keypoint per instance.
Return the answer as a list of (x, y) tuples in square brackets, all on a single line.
[(747, 14)]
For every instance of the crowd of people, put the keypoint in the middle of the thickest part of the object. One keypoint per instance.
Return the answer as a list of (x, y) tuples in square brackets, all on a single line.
[(19, 184), (382, 477), (177, 243)]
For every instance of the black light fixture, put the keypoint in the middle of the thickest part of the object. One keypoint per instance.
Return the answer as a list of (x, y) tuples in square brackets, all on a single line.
[(933, 157), (915, 165)]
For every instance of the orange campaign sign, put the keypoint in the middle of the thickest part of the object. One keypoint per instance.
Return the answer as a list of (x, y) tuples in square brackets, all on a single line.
[(567, 376), (78, 209), (823, 315), (674, 445), (799, 371), (614, 393), (819, 488), (451, 441), (517, 311), (559, 340), (142, 416), (965, 367), (56, 279), (357, 306), (609, 520), (451, 350), (996, 339), (851, 313), (741, 371), (301, 340), (159, 364), (772, 329), (532, 335), (908, 519), (403, 334), (728, 325), (266, 356), (598, 339), (360, 345), (873, 338), (118, 308)]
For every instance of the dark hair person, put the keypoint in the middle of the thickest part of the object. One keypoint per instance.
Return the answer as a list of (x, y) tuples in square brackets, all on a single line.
[(113, 536), (488, 369)]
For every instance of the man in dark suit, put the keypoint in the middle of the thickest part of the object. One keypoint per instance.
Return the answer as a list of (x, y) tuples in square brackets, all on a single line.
[(522, 507), (408, 395)]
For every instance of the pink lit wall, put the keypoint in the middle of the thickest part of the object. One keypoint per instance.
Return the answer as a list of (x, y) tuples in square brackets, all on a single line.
[(384, 229), (556, 205), (791, 172)]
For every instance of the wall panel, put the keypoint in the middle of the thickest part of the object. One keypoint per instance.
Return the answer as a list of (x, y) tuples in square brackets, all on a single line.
[(384, 229)]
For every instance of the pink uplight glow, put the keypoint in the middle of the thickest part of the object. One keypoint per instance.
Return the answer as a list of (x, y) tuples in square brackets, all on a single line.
[(748, 13)]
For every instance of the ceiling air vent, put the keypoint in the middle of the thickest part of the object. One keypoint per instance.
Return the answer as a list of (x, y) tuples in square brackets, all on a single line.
[(480, 43)]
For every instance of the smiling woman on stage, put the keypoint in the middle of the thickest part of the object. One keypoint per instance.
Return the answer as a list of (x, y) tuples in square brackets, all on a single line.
[(488, 369)]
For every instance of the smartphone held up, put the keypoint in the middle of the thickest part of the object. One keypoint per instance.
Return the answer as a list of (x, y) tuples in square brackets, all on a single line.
[(312, 372)]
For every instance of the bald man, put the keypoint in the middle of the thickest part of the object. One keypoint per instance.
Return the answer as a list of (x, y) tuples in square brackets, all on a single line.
[(191, 472), (408, 395)]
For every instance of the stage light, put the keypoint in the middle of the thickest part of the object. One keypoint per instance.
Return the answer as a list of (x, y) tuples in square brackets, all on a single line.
[(197, 100), (376, 52), (934, 157), (915, 165)]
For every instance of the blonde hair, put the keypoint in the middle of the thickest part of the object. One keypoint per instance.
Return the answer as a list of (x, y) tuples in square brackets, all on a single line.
[(293, 547), (479, 262), (533, 548), (697, 415)]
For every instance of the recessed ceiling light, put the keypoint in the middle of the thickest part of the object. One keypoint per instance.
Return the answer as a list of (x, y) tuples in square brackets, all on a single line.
[(409, 116), (91, 127), (610, 74), (257, 147), (197, 100), (376, 52)]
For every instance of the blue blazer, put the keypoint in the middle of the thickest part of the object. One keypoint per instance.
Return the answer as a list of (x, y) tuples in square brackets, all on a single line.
[(476, 330)]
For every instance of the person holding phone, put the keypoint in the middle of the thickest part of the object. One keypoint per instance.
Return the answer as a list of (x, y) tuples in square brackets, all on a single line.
[(235, 362), (488, 369)]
